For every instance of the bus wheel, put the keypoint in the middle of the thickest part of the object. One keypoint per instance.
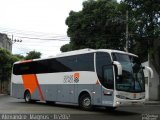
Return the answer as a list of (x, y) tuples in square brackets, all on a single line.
[(27, 97), (85, 102)]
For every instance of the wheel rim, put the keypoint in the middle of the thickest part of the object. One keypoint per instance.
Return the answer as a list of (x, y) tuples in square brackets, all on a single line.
[(28, 97), (86, 102)]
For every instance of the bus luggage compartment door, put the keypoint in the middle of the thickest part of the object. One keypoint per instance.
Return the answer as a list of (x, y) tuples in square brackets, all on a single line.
[(66, 93), (107, 97)]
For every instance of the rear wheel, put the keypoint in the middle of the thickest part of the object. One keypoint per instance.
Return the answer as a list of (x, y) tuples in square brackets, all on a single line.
[(27, 97), (85, 102)]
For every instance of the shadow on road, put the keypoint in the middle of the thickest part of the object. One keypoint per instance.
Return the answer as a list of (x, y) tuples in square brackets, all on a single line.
[(73, 107), (102, 110)]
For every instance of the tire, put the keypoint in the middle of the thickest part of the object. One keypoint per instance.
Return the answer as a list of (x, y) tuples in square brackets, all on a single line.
[(85, 102), (27, 97)]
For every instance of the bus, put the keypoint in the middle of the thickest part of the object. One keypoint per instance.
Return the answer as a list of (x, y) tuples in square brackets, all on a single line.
[(87, 77)]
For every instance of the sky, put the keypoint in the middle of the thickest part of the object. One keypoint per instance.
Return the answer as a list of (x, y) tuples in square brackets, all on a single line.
[(40, 24)]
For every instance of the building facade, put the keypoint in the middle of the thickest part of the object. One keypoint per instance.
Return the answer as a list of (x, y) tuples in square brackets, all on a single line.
[(153, 85), (5, 42)]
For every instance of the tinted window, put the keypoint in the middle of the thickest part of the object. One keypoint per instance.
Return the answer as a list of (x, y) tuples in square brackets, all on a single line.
[(104, 69), (108, 78), (84, 62), (132, 79)]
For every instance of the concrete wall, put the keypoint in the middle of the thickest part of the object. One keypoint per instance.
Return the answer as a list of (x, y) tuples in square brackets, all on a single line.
[(5, 42), (153, 92), (154, 84), (156, 62)]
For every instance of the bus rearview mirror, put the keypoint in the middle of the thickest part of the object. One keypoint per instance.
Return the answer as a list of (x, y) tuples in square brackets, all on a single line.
[(150, 70), (119, 67)]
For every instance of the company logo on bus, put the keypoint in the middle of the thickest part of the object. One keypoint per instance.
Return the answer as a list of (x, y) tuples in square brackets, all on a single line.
[(134, 95), (76, 77), (71, 78)]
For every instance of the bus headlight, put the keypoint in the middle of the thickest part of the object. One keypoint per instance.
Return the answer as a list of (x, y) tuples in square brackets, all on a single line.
[(143, 97), (120, 96), (118, 103)]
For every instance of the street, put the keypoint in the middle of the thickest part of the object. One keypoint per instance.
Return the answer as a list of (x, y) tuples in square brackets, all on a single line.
[(9, 105)]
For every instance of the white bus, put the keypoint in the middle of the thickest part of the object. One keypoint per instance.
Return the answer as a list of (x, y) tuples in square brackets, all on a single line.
[(86, 77)]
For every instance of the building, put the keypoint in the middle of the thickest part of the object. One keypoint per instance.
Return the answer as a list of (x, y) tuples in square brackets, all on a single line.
[(153, 85), (5, 42)]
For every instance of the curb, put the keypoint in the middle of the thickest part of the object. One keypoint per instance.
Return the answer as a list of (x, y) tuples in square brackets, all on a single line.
[(152, 103), (2, 94)]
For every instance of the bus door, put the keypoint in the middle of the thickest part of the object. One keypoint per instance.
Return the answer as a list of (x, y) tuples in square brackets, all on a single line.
[(108, 85), (104, 69)]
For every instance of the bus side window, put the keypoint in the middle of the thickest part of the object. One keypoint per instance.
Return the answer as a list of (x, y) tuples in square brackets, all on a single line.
[(108, 78), (103, 68)]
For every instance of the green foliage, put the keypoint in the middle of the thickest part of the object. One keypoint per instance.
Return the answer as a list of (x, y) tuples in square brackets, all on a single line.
[(65, 48), (145, 15), (96, 26), (6, 61), (102, 24), (21, 57), (33, 55)]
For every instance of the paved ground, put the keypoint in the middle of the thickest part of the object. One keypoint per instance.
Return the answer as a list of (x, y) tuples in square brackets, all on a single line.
[(9, 105)]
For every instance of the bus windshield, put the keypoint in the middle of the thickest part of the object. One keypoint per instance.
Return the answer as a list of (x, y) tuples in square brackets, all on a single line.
[(132, 79)]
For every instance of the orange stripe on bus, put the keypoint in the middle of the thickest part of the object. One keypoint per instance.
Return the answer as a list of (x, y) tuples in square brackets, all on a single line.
[(31, 83), (26, 61), (39, 89), (97, 82)]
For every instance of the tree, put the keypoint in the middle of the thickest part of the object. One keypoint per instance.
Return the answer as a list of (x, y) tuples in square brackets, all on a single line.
[(21, 57), (96, 26), (65, 48), (6, 60), (146, 16), (33, 55)]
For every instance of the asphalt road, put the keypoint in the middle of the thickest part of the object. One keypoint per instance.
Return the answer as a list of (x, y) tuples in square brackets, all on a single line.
[(9, 105)]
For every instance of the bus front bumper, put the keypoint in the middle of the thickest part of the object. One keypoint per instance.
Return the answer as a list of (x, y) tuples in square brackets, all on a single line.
[(121, 102)]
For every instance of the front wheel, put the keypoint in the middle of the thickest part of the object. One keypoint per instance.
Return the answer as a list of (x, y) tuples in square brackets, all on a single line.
[(27, 97), (85, 102)]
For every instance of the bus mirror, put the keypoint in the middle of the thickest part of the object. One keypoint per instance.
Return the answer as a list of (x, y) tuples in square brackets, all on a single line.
[(119, 66), (150, 70)]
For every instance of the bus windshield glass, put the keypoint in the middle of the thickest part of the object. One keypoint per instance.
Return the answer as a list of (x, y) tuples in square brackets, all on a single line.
[(132, 79)]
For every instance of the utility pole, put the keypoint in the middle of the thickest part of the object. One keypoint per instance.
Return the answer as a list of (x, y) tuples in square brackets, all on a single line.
[(127, 31), (13, 41)]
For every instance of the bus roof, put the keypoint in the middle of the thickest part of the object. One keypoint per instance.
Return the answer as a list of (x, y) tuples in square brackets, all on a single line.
[(77, 52), (88, 50)]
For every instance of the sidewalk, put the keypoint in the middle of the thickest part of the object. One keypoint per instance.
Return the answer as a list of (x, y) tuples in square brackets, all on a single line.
[(152, 102), (2, 95)]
